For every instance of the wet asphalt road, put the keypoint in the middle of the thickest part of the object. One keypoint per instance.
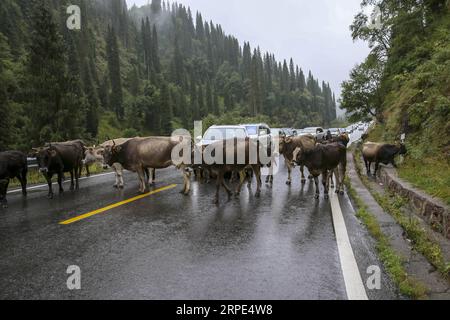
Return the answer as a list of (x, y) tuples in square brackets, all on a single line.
[(168, 246)]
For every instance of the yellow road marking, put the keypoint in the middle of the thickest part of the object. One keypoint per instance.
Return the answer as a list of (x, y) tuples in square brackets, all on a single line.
[(115, 205)]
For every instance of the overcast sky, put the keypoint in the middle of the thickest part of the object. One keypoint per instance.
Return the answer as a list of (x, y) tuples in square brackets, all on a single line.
[(313, 32)]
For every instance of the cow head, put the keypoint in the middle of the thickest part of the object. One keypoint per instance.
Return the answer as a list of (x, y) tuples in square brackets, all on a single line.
[(110, 154), (283, 142), (93, 155), (45, 157)]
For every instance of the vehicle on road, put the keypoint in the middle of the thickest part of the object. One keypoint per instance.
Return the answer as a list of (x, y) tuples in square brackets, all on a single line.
[(335, 132), (317, 132), (219, 133)]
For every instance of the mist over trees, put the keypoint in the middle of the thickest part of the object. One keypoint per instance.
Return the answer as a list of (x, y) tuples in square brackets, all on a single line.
[(138, 71)]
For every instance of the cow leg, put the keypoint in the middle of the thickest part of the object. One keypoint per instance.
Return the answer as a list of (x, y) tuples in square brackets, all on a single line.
[(77, 177), (218, 184), (88, 174), (116, 185), (316, 182), (257, 171), (227, 189), (367, 166), (341, 171), (154, 176), (249, 176), (302, 171), (72, 185), (119, 176), (3, 200), (289, 167), (48, 177), (141, 176), (60, 181), (377, 166), (147, 177), (186, 181), (326, 182), (335, 181), (23, 181), (242, 178)]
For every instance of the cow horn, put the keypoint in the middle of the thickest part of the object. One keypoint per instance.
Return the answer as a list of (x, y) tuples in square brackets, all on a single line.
[(114, 143)]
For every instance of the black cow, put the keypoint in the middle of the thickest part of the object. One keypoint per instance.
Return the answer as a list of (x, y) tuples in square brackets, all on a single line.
[(381, 153), (324, 160), (58, 159), (13, 164), (80, 145)]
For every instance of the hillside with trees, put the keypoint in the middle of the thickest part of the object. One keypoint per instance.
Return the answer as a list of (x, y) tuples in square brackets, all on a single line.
[(405, 84), (138, 71)]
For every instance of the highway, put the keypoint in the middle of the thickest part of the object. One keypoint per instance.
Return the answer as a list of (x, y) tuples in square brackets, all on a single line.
[(163, 245)]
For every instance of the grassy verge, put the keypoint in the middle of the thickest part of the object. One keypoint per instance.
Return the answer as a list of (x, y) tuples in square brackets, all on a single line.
[(35, 177), (420, 240), (430, 175), (393, 263), (425, 169)]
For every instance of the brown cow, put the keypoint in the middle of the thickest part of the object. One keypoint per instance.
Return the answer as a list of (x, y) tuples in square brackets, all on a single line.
[(381, 153), (140, 154), (323, 160), (221, 166), (95, 154), (287, 148)]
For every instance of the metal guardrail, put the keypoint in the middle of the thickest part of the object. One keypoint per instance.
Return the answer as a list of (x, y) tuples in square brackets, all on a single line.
[(32, 162)]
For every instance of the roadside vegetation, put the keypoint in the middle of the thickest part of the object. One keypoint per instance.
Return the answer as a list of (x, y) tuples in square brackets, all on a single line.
[(405, 84), (35, 177), (394, 205), (394, 264)]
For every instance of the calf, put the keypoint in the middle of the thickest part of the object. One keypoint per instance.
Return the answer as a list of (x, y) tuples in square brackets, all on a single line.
[(323, 160), (13, 164), (381, 153), (58, 159)]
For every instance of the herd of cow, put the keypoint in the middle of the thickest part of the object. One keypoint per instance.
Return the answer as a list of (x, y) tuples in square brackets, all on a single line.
[(146, 155)]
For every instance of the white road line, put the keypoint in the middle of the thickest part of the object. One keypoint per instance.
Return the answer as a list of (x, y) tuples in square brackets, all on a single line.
[(352, 278), (66, 181)]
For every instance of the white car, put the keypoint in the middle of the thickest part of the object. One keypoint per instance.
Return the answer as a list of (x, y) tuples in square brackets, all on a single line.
[(220, 133)]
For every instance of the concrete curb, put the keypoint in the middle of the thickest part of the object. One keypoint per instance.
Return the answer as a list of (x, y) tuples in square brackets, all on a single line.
[(431, 210)]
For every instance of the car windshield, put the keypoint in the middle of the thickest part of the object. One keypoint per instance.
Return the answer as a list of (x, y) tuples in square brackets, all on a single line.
[(310, 130), (216, 134), (252, 130)]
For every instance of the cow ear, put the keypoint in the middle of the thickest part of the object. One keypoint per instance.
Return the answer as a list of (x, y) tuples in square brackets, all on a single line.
[(117, 149)]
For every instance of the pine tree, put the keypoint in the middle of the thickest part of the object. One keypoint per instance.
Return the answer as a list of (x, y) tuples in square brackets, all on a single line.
[(156, 7), (209, 99), (167, 111), (155, 51), (92, 116), (116, 99), (53, 106), (5, 124)]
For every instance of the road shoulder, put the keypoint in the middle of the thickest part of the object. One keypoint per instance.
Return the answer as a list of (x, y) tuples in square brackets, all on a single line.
[(419, 272)]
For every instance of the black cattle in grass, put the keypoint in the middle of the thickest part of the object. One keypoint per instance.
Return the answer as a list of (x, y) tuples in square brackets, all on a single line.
[(381, 153)]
